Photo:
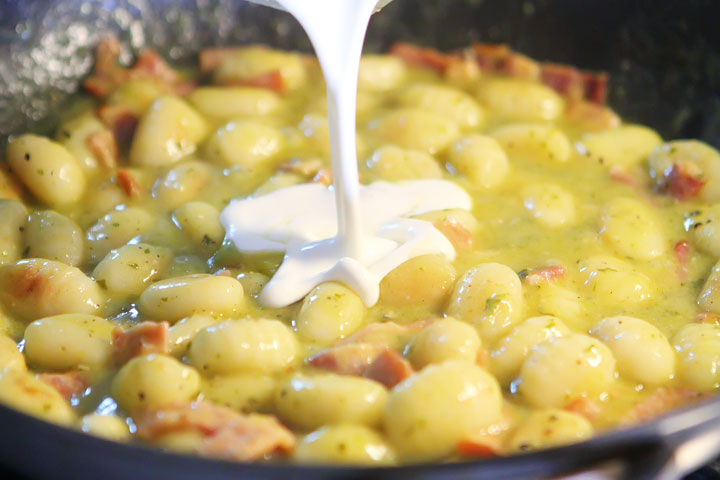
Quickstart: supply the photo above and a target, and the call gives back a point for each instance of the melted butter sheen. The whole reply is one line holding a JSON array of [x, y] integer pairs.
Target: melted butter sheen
[[303, 225]]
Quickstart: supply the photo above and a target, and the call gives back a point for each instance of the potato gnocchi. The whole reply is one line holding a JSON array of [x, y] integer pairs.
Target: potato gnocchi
[[586, 281]]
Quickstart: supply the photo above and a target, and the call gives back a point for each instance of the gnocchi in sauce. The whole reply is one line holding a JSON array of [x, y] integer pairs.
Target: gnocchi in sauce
[[585, 294]]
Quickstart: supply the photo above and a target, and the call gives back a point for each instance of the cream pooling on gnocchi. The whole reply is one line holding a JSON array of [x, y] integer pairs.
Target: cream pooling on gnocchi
[[552, 324], [369, 237]]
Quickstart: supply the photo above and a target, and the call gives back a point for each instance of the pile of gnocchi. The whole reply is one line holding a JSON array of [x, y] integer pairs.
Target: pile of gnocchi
[[585, 295]]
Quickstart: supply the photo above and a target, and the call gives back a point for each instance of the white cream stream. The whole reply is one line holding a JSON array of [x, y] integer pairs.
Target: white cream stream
[[348, 233]]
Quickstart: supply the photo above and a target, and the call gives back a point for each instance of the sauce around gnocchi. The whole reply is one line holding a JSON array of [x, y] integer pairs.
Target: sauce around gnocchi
[[585, 294]]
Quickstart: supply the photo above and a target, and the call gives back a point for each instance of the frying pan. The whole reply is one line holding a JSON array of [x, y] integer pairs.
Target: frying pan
[[664, 61]]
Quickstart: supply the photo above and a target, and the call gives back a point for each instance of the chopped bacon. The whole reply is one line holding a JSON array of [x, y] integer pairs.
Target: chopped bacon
[[212, 58], [500, 59], [388, 368], [120, 120], [150, 65], [129, 184], [661, 401], [683, 256], [102, 144], [591, 115], [69, 384], [271, 80], [709, 318], [226, 434], [565, 80], [142, 339], [684, 184], [108, 74], [481, 358], [536, 276], [459, 236], [584, 407], [595, 86], [477, 449], [422, 57], [348, 359]]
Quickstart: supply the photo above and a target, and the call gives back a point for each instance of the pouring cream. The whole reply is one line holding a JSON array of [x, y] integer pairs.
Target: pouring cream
[[348, 233]]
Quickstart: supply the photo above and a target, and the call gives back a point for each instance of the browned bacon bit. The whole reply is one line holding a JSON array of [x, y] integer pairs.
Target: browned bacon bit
[[683, 256], [212, 58], [68, 384], [348, 359], [120, 120], [477, 449], [591, 116], [500, 59], [619, 174], [421, 57], [306, 168], [481, 358], [389, 368], [128, 183], [709, 318], [584, 407], [536, 276], [226, 434], [459, 236], [108, 74], [595, 86], [661, 401], [142, 339], [248, 438], [567, 81], [684, 184], [271, 80], [102, 144]]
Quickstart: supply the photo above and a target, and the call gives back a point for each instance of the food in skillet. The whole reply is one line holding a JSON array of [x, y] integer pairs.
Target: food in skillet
[[584, 296]]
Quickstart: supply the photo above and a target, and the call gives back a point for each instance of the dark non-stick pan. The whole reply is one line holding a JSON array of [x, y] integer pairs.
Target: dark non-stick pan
[[664, 61]]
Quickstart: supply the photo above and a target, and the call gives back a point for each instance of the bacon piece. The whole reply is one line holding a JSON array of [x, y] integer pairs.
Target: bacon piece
[[388, 368], [129, 184], [477, 449], [684, 184], [591, 116], [683, 256], [150, 65], [709, 318], [120, 120], [108, 74], [226, 433], [595, 86], [102, 144], [422, 57], [69, 384], [536, 276], [212, 58], [585, 407], [661, 401], [272, 80], [348, 359], [142, 339], [567, 81], [248, 438], [459, 236], [500, 59]]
